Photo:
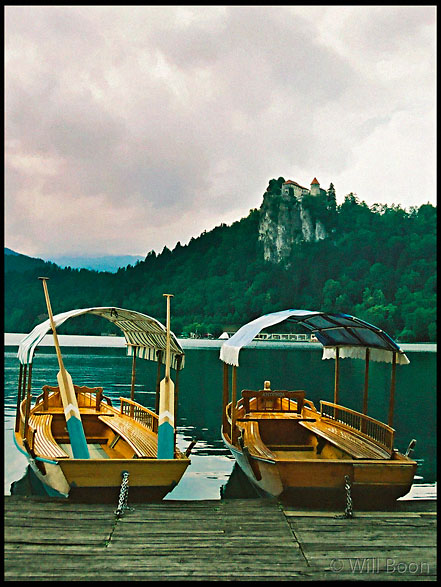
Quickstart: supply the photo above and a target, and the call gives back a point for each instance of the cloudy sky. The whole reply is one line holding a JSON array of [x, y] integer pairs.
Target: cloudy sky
[[131, 128]]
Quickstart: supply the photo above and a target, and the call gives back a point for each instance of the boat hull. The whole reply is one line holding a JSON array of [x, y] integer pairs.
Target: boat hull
[[149, 479], [98, 480], [323, 481]]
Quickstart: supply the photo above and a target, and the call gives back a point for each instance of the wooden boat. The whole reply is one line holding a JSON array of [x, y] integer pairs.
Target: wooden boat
[[78, 444], [286, 446]]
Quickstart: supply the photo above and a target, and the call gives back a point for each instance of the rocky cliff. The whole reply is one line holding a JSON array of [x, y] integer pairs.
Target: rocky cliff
[[285, 221]]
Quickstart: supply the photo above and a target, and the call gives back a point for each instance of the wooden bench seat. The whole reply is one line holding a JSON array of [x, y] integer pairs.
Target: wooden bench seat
[[253, 441], [143, 442], [45, 444], [358, 448]]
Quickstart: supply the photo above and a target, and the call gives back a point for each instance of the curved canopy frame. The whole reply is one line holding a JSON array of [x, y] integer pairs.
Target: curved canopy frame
[[144, 335], [350, 335]]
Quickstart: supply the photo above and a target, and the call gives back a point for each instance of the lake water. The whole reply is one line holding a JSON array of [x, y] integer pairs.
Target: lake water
[[288, 366]]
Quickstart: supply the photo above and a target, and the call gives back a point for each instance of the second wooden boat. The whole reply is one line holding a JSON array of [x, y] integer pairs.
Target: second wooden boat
[[286, 446]]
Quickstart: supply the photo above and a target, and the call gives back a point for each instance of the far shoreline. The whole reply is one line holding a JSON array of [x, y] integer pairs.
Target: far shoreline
[[76, 340]]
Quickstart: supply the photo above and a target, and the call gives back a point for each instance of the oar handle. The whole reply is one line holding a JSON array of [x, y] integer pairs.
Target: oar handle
[[46, 295], [51, 320], [167, 348]]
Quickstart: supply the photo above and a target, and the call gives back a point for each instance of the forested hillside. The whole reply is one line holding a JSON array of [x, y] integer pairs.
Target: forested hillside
[[377, 263]]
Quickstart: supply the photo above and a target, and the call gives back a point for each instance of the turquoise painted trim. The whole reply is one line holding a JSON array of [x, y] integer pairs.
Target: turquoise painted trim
[[77, 438], [46, 461], [26, 454], [166, 441], [53, 492]]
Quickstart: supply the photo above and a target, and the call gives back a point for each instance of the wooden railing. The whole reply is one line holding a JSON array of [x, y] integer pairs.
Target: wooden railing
[[27, 431], [139, 413], [373, 429]]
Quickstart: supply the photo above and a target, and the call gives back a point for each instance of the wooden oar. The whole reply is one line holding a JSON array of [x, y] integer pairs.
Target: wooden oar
[[72, 413], [166, 420]]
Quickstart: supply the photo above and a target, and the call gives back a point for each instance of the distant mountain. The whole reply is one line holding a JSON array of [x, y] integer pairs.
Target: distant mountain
[[17, 262], [105, 263]]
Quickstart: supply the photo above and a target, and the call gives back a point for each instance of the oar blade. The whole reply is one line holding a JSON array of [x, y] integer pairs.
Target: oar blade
[[166, 420], [72, 414]]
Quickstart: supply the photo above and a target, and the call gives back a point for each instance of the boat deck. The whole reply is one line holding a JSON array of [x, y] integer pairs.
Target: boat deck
[[48, 444], [232, 540], [143, 442], [356, 446], [44, 443], [295, 455], [96, 451], [273, 415]]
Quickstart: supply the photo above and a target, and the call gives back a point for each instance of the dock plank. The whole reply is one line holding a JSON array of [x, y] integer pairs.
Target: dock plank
[[230, 540], [385, 545]]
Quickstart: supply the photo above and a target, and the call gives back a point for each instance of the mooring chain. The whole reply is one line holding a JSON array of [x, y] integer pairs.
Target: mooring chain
[[123, 495], [348, 510], [122, 503]]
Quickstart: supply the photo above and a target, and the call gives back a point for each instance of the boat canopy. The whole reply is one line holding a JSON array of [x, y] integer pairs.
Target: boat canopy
[[350, 335], [144, 334]]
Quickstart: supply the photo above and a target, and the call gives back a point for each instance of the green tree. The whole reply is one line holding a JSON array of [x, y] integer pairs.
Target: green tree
[[378, 263]]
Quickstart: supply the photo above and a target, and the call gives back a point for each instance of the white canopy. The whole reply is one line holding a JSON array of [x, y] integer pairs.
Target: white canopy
[[144, 334], [349, 334]]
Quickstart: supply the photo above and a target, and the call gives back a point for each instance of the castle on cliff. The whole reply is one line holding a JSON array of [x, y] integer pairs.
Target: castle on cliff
[[285, 221], [294, 189]]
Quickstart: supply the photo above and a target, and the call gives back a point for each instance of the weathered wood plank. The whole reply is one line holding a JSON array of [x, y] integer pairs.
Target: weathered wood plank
[[228, 540], [233, 575], [357, 515], [372, 545]]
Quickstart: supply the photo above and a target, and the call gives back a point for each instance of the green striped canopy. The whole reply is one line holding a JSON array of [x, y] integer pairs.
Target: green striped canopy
[[144, 335]]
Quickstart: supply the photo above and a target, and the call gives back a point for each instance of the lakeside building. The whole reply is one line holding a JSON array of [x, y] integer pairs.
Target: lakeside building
[[285, 336]]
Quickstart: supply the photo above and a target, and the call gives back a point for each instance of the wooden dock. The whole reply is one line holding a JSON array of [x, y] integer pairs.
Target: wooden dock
[[233, 540]]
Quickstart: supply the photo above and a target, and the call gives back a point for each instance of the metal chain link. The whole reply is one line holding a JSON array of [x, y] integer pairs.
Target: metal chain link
[[348, 510], [122, 503], [123, 495]]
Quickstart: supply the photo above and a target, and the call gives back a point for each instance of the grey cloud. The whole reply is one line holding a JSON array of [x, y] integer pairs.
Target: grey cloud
[[392, 28], [186, 110]]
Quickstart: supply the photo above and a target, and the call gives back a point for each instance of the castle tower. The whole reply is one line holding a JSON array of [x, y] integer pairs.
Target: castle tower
[[315, 187]]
